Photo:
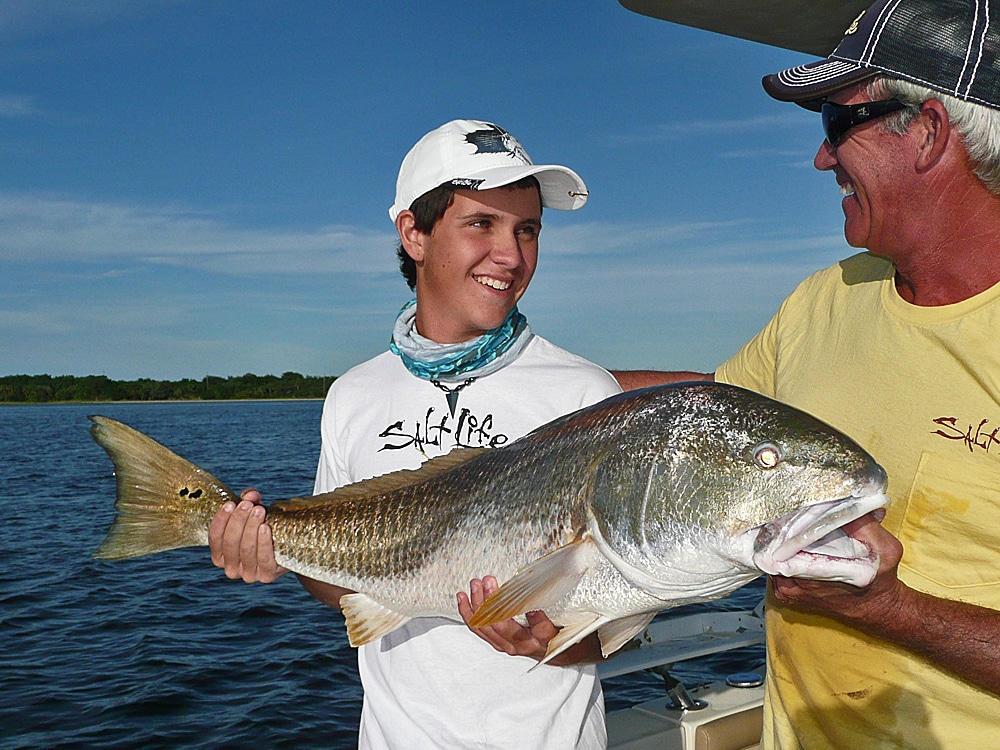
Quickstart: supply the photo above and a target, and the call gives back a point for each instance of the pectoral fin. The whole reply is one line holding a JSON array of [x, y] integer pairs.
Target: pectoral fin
[[572, 633], [617, 633], [613, 633], [539, 585], [367, 619]]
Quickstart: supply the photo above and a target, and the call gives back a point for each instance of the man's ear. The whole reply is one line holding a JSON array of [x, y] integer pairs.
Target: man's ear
[[411, 238], [934, 133]]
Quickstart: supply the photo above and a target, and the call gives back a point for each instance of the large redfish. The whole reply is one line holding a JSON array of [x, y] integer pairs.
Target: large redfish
[[601, 518]]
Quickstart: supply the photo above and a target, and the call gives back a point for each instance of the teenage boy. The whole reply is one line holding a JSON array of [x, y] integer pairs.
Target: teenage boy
[[463, 370]]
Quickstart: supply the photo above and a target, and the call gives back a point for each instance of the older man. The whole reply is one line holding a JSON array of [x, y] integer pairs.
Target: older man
[[899, 347]]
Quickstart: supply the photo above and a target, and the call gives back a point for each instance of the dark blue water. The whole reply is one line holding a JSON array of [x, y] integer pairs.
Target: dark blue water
[[165, 651]]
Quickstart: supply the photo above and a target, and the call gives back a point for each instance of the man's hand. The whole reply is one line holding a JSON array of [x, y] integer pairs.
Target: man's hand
[[508, 636], [962, 638], [864, 608], [241, 542]]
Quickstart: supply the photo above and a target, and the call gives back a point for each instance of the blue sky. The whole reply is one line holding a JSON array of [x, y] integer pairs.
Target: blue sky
[[200, 187]]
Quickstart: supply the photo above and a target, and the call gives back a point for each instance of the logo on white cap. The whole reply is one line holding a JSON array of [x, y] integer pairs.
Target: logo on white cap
[[496, 140]]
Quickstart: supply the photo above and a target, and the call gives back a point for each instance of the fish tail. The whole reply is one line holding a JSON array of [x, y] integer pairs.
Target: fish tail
[[163, 501]]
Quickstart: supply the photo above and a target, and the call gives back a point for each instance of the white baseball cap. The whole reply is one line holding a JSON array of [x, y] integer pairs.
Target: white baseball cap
[[477, 155]]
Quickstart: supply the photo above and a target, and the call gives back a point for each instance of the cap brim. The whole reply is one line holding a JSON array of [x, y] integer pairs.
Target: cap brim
[[808, 84], [561, 187]]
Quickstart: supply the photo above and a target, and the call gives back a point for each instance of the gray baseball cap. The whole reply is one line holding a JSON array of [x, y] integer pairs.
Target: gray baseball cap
[[951, 46]]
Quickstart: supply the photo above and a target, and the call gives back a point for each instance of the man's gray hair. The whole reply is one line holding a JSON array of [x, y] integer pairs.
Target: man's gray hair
[[979, 126]]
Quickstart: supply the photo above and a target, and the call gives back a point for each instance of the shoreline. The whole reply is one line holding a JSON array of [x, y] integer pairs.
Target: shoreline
[[163, 401]]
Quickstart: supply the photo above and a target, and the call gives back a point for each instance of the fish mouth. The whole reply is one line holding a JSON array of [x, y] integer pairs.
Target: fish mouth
[[811, 543]]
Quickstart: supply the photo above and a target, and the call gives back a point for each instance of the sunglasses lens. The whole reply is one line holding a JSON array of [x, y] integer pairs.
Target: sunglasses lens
[[833, 123]]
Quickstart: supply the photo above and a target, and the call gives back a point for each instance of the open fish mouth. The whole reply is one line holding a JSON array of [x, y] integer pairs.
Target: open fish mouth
[[811, 543]]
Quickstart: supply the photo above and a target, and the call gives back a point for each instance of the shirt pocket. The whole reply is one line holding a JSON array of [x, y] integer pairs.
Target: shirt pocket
[[951, 529]]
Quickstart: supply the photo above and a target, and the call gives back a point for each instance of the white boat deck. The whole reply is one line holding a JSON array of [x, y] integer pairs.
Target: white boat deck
[[687, 637], [731, 716]]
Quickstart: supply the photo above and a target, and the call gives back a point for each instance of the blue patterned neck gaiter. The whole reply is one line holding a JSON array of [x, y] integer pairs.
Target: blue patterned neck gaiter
[[479, 357]]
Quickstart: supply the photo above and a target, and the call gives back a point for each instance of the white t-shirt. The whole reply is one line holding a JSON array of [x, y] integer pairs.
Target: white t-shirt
[[433, 683]]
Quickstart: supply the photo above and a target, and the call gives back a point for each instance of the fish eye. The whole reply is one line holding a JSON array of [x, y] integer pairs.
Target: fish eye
[[767, 455]]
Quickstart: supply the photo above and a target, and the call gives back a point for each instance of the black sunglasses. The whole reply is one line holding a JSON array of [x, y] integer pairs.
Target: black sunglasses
[[839, 118]]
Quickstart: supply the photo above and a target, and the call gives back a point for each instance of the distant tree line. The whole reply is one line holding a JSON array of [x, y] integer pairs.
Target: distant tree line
[[47, 388]]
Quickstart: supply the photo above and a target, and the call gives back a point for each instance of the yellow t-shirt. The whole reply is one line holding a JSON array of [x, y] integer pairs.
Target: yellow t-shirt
[[919, 388]]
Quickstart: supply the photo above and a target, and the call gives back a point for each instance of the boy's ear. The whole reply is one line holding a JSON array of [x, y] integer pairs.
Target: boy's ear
[[411, 238]]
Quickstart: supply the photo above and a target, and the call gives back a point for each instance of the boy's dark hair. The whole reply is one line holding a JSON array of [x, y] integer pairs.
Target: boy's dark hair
[[428, 210]]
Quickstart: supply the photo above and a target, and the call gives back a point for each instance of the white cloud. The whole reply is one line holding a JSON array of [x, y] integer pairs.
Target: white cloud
[[593, 238], [683, 244], [21, 19], [59, 315], [684, 128], [12, 105], [666, 294], [758, 153], [684, 295], [34, 229], [118, 238]]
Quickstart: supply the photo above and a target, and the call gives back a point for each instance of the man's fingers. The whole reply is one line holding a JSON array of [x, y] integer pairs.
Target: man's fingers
[[464, 606], [542, 628], [251, 495], [504, 636], [248, 544], [265, 551], [232, 538], [476, 594], [508, 636], [859, 527], [216, 530], [241, 542]]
